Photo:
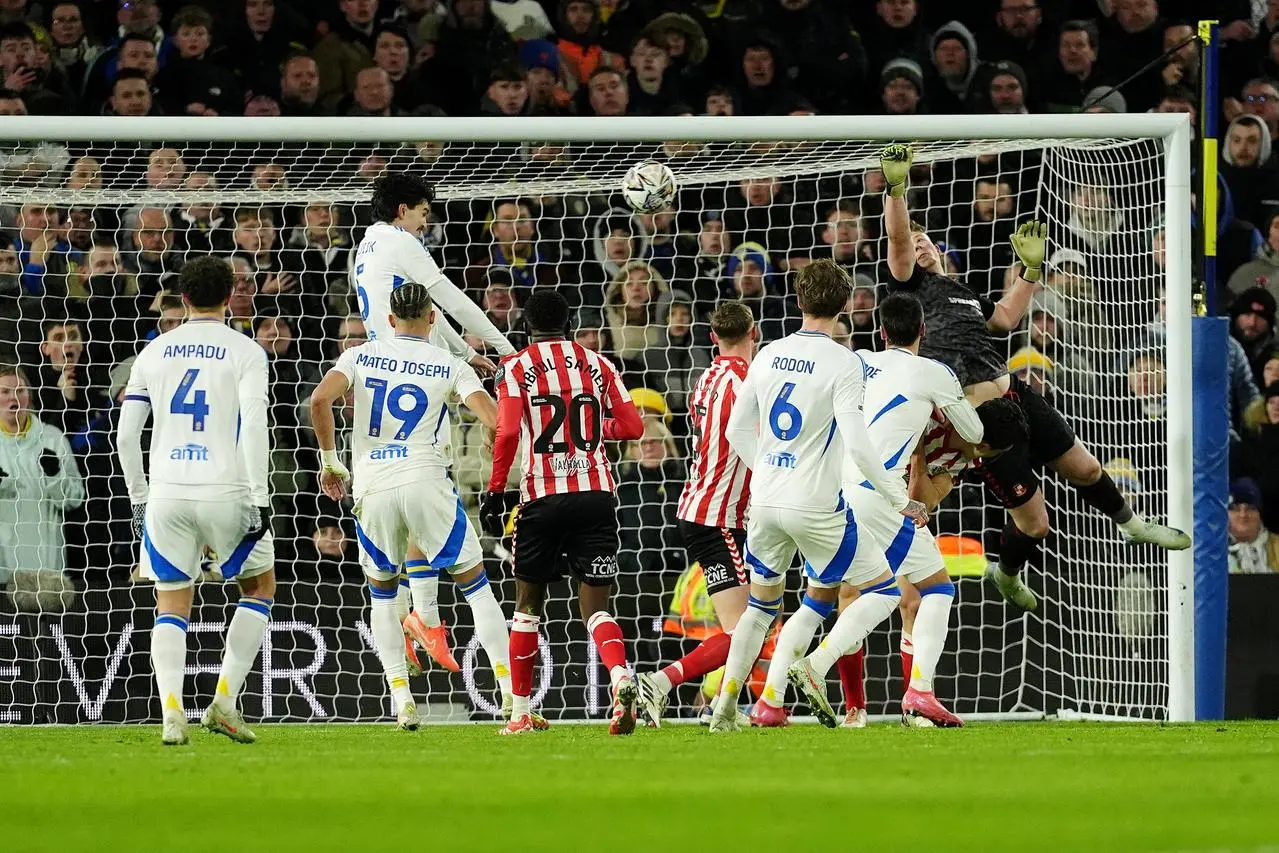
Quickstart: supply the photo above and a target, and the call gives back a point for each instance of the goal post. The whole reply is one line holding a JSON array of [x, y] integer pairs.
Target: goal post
[[1077, 666]]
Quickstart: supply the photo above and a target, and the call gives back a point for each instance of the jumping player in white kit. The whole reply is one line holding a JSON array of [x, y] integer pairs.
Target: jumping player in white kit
[[797, 416], [205, 387], [404, 496], [390, 254]]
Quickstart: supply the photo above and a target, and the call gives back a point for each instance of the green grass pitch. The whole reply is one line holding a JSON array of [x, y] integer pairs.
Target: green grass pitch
[[1018, 787]]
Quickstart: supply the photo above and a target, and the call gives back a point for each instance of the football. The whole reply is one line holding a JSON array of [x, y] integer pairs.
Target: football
[[649, 187]]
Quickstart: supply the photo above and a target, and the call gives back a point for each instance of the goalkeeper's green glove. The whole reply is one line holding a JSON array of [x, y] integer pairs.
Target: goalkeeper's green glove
[[1030, 242], [894, 162]]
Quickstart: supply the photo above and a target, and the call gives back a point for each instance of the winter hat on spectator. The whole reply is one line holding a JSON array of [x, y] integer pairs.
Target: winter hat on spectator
[[1007, 66], [1244, 490], [1255, 300], [1105, 99], [1029, 358], [1125, 475], [695, 44], [954, 255], [753, 252], [861, 280], [540, 53], [1266, 141], [1074, 257], [651, 402], [1272, 390], [903, 68]]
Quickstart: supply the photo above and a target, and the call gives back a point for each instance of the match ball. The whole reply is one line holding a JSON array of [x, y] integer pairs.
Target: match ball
[[649, 187]]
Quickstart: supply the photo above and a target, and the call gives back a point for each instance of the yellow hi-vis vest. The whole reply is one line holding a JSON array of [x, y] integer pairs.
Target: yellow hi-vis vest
[[963, 556], [691, 613]]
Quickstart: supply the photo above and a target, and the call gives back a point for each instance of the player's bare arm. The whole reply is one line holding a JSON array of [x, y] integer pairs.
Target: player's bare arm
[[483, 407], [1030, 243], [928, 489], [895, 162], [334, 476]]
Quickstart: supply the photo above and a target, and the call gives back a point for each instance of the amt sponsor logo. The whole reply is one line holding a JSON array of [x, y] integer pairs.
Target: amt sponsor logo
[[391, 451], [781, 460], [190, 452]]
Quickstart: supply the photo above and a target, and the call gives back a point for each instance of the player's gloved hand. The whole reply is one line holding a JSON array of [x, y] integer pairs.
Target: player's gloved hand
[[139, 518], [257, 521], [1030, 242], [916, 512], [49, 463], [894, 161], [494, 508]]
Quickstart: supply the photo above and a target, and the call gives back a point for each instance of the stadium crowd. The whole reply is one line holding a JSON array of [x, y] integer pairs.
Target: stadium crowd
[[83, 287]]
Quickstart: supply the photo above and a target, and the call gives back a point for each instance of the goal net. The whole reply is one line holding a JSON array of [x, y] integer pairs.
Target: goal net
[[93, 233]]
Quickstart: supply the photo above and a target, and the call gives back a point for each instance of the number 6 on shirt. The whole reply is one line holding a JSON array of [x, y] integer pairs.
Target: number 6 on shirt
[[782, 407]]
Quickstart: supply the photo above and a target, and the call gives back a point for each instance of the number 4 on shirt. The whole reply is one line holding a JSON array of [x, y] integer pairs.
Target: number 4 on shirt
[[196, 406]]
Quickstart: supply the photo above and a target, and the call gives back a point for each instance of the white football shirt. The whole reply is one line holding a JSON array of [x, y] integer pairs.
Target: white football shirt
[[402, 389], [389, 256], [206, 385], [805, 394], [902, 392]]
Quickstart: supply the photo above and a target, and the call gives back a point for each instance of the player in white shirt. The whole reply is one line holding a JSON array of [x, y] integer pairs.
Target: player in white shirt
[[405, 500], [390, 254], [205, 387], [798, 415]]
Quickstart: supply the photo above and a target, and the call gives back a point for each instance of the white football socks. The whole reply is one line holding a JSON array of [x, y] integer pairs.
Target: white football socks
[[792, 644], [388, 637], [243, 641], [490, 627], [424, 584], [859, 619], [168, 661], [932, 622], [748, 639]]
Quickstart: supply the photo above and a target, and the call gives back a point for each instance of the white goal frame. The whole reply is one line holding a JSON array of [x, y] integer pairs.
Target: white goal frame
[[1173, 130]]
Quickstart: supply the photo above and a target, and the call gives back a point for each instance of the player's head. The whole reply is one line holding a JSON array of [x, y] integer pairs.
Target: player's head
[[824, 289], [412, 312], [546, 314], [927, 255], [1003, 427], [403, 200], [732, 325], [901, 320], [206, 283]]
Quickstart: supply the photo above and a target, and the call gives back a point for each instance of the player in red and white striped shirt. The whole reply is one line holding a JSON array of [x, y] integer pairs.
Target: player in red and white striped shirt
[[565, 401], [712, 509]]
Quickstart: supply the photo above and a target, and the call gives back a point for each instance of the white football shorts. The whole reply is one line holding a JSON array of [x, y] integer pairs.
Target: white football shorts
[[176, 532], [834, 549], [428, 513], [911, 551]]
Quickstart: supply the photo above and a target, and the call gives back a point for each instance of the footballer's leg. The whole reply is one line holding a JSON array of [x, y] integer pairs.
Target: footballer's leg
[[792, 643], [718, 552], [171, 547], [530, 596], [1013, 481], [490, 624], [403, 607], [852, 671], [931, 625], [1096, 488], [254, 572], [424, 624], [908, 608]]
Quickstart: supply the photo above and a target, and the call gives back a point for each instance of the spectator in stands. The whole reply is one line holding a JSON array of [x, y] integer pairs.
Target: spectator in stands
[[43, 255], [896, 30], [191, 83], [242, 307], [673, 364], [112, 305], [759, 211], [902, 87], [39, 483], [1075, 73], [720, 101], [633, 305], [750, 277], [165, 169], [543, 78], [152, 259], [1258, 455], [345, 50], [471, 42], [44, 90], [67, 387], [507, 92], [648, 499], [500, 306], [651, 91], [849, 243], [579, 43], [657, 231], [1252, 322], [1261, 99], [827, 61], [954, 62], [200, 225], [393, 53], [73, 50], [688, 48], [41, 163], [255, 236], [606, 94], [513, 248], [300, 87], [131, 95], [1007, 88], [259, 43], [374, 95], [1253, 549], [288, 375], [1182, 67], [763, 89], [1263, 270], [1248, 170], [861, 321], [1130, 40], [135, 52], [1019, 36]]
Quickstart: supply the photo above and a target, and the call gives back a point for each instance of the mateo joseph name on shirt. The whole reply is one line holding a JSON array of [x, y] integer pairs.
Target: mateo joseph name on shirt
[[408, 368]]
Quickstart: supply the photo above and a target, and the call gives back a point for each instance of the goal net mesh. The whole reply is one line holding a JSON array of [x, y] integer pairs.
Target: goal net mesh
[[94, 234]]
